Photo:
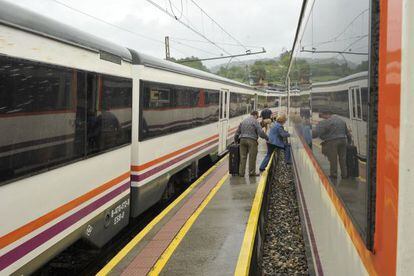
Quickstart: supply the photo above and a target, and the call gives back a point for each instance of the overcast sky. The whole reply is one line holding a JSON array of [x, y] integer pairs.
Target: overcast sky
[[260, 23]]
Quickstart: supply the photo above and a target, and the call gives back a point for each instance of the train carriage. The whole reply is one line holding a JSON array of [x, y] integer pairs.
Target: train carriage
[[183, 115], [65, 116], [94, 133], [354, 59]]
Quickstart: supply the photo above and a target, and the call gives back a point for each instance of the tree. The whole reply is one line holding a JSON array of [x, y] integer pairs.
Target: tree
[[272, 71], [258, 71], [196, 64], [237, 73]]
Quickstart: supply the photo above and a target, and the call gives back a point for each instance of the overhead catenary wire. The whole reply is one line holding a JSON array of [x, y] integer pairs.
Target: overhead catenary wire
[[172, 10], [215, 22], [335, 52], [122, 28], [192, 47], [231, 57], [350, 23], [336, 37], [133, 32], [203, 41], [106, 22], [315, 44], [188, 26]]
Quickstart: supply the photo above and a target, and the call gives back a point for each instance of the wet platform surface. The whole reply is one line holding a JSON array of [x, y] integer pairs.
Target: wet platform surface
[[218, 208], [212, 246]]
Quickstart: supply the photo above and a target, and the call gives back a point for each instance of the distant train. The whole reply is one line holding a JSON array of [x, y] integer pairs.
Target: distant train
[[351, 59], [93, 134]]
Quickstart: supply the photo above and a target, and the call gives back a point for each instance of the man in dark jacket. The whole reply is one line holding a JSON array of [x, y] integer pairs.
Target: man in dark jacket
[[266, 115], [334, 134], [248, 132]]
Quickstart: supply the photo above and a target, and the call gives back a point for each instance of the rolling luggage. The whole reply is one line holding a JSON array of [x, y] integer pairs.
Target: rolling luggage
[[234, 159], [352, 161]]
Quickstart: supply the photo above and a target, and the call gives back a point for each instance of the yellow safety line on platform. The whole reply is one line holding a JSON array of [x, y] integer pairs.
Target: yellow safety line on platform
[[121, 254], [245, 256], [162, 261]]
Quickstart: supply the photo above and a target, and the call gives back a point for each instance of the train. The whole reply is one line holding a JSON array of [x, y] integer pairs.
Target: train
[[93, 134], [351, 61]]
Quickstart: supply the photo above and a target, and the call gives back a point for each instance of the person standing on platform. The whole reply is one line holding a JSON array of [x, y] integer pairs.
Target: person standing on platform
[[277, 137], [248, 132], [266, 115], [334, 134]]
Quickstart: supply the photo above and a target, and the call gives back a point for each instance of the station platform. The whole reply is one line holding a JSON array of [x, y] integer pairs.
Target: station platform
[[200, 233]]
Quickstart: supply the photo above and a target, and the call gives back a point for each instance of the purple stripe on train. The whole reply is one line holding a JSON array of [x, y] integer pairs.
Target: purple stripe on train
[[155, 170], [26, 247]]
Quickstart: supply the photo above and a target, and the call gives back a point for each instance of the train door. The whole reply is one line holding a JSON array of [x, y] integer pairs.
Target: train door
[[223, 120], [357, 125]]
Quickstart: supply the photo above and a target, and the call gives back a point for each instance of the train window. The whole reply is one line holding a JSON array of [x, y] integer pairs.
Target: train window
[[337, 124], [47, 113], [353, 103], [109, 112], [284, 101], [40, 126], [271, 101], [364, 103], [239, 104], [234, 104], [358, 102], [261, 102], [167, 108], [339, 103], [53, 88], [211, 102], [159, 98], [225, 95], [220, 105]]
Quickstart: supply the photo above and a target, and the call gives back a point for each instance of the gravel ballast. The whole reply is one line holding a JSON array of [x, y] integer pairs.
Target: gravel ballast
[[284, 247]]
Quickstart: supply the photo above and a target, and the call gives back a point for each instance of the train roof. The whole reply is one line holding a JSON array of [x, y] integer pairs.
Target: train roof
[[146, 60], [19, 17]]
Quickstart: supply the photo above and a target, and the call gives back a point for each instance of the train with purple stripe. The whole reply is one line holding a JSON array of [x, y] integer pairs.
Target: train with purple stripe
[[93, 134]]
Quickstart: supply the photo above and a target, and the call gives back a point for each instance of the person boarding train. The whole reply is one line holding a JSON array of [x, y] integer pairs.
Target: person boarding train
[[248, 132], [277, 140], [266, 115]]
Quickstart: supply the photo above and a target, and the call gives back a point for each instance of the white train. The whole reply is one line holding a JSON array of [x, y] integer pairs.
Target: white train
[[351, 59], [347, 97], [93, 133]]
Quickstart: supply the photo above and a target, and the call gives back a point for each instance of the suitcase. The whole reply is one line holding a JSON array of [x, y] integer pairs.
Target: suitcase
[[234, 159], [352, 161]]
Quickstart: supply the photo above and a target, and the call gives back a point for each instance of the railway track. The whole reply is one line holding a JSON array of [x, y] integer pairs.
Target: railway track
[[81, 259]]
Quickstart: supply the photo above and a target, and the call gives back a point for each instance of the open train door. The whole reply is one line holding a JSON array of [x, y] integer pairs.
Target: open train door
[[223, 120]]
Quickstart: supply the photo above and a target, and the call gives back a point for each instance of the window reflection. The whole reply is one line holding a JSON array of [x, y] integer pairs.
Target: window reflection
[[329, 97], [261, 103], [240, 104], [52, 115], [167, 108], [109, 112]]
